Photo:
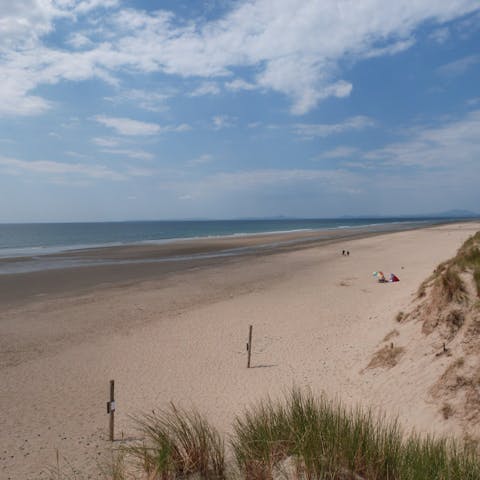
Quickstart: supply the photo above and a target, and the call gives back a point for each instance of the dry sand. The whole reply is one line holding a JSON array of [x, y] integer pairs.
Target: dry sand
[[317, 316]]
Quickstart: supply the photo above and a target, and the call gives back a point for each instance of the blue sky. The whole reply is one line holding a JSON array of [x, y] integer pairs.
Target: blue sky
[[124, 109]]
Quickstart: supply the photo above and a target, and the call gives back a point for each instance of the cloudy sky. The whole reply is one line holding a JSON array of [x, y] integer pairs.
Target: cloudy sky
[[162, 109]]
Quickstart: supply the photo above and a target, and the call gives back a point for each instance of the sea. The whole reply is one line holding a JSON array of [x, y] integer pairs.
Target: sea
[[32, 241]]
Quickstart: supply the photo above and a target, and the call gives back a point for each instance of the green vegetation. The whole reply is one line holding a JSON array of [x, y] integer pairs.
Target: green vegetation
[[178, 444], [446, 277], [300, 438], [451, 285]]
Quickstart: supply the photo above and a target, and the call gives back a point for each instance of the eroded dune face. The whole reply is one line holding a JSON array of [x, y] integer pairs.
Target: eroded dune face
[[446, 318]]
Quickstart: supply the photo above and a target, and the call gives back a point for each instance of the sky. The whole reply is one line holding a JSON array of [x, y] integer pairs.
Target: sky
[[175, 109]]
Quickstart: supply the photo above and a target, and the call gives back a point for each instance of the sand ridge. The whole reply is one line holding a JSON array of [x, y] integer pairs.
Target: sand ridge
[[317, 317]]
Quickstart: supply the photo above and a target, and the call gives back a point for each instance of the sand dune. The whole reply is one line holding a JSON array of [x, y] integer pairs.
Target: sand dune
[[317, 317]]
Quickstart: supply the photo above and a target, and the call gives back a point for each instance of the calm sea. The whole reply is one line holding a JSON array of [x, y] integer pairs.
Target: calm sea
[[18, 240]]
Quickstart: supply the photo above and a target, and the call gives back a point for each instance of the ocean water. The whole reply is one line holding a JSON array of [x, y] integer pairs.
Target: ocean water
[[44, 238], [32, 242]]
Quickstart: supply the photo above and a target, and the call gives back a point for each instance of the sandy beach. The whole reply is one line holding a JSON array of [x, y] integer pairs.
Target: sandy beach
[[177, 333]]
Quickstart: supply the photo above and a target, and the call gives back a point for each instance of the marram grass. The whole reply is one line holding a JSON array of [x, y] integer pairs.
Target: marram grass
[[302, 437]]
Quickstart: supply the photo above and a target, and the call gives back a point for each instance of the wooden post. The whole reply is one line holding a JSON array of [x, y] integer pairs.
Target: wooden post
[[249, 345], [111, 410]]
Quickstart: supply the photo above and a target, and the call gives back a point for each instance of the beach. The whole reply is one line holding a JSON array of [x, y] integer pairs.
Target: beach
[[176, 331]]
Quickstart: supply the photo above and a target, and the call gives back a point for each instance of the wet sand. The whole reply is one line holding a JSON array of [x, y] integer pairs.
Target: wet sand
[[105, 267]]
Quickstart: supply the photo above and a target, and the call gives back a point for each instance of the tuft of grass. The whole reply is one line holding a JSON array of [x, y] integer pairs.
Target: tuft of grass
[[387, 357], [451, 285], [392, 334], [447, 411], [324, 440], [446, 277], [262, 440], [179, 443], [454, 321], [476, 279]]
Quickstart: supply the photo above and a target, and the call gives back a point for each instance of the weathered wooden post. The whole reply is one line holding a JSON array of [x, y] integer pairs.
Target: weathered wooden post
[[111, 410], [249, 345]]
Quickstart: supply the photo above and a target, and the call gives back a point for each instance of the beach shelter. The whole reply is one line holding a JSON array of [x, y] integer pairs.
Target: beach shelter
[[393, 278]]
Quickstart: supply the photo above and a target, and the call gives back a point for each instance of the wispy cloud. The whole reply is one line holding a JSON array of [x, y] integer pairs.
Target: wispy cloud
[[135, 154], [473, 101], [440, 35], [240, 84], [311, 130], [206, 88], [458, 67], [14, 166], [453, 144], [223, 121], [202, 159], [338, 152], [130, 127], [106, 141], [127, 126], [152, 101]]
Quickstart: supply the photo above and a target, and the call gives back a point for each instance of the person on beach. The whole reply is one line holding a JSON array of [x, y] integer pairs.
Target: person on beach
[[348, 253], [343, 252]]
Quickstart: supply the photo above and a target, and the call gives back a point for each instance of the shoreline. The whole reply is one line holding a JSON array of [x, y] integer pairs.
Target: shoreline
[[79, 251], [28, 278]]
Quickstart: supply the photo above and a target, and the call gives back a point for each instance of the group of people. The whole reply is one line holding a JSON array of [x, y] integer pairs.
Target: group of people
[[345, 252]]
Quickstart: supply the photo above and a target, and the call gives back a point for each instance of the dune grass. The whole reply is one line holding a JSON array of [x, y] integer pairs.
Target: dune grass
[[324, 440], [446, 277], [178, 443], [301, 437]]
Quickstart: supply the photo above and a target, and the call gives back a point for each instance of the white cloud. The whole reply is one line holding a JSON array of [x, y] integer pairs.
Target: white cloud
[[310, 130], [392, 49], [338, 152], [130, 127], [106, 142], [79, 40], [14, 166], [440, 35], [296, 49], [206, 88], [183, 127], [454, 145], [458, 67], [223, 121], [152, 101], [85, 6], [127, 126], [240, 84], [136, 154], [202, 159]]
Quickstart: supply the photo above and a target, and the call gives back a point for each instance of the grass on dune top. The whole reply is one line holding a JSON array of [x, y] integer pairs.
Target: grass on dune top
[[446, 278]]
